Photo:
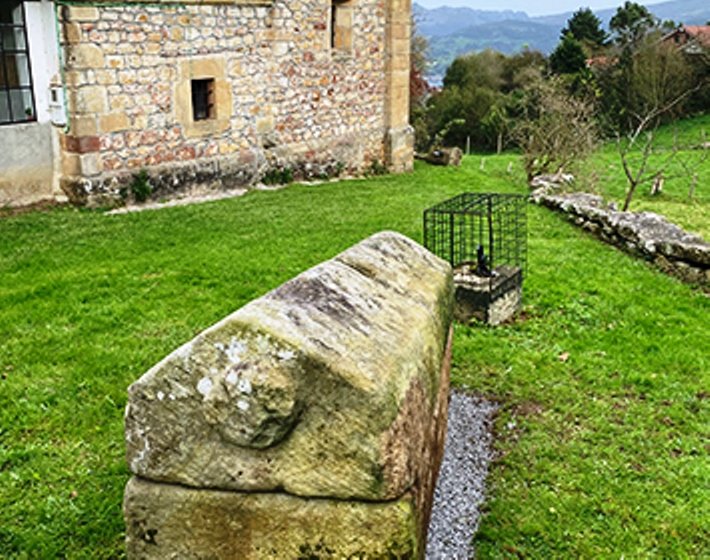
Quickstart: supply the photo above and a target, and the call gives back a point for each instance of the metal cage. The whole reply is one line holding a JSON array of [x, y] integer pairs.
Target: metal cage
[[454, 229], [484, 238]]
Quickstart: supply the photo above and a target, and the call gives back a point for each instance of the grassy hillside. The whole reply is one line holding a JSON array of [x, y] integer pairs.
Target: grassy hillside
[[604, 173], [600, 454]]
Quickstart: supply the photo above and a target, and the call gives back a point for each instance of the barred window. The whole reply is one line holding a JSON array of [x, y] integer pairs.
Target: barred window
[[203, 99], [16, 99]]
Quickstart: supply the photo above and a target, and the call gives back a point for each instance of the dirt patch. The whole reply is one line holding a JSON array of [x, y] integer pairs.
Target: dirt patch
[[41, 206]]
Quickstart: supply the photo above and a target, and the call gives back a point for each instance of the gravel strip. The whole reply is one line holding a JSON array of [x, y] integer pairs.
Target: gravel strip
[[460, 490]]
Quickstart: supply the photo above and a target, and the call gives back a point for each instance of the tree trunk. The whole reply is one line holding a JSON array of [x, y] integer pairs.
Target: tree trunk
[[629, 196]]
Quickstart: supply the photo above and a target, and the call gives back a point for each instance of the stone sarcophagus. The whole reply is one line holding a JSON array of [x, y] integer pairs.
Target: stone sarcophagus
[[309, 423]]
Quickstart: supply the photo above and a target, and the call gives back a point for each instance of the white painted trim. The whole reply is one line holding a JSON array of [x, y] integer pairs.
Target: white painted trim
[[44, 58]]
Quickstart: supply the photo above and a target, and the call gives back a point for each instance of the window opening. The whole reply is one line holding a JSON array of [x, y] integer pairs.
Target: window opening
[[341, 25], [203, 102], [333, 23], [16, 97]]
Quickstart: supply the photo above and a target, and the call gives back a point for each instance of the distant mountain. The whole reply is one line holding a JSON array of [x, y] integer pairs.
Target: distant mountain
[[690, 12], [446, 21], [455, 31], [507, 36]]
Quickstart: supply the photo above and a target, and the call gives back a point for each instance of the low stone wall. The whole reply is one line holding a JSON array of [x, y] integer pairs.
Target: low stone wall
[[309, 423], [645, 234]]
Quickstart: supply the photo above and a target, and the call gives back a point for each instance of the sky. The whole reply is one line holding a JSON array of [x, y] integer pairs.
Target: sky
[[537, 8]]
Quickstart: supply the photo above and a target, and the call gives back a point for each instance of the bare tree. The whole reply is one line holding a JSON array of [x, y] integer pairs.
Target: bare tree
[[690, 165], [555, 129], [636, 147]]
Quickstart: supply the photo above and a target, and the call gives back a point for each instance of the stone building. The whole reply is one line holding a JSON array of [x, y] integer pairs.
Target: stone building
[[199, 93]]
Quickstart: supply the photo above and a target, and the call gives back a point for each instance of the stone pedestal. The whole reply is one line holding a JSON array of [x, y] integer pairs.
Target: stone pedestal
[[491, 300], [309, 423]]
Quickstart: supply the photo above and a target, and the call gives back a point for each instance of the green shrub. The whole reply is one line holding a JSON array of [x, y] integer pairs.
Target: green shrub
[[140, 187], [278, 176], [376, 168]]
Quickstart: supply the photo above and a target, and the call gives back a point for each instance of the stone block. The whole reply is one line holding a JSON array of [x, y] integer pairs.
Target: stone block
[[113, 122], [81, 165], [489, 300], [86, 55], [82, 13], [264, 125], [398, 103], [401, 31], [71, 164], [90, 99], [234, 525], [83, 126], [400, 149], [329, 392], [81, 144], [72, 33], [73, 78], [90, 164]]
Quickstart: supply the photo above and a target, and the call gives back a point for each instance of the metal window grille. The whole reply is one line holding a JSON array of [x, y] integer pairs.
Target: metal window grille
[[203, 99], [16, 97], [456, 228]]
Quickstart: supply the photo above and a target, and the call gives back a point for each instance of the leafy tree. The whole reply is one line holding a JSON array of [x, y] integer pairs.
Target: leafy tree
[[522, 68], [649, 77], [630, 23], [467, 108], [657, 75], [418, 88], [568, 57], [477, 100], [668, 25], [497, 122], [484, 69], [586, 28], [472, 85]]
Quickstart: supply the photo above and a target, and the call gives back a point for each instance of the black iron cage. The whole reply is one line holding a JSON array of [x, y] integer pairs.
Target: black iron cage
[[455, 229]]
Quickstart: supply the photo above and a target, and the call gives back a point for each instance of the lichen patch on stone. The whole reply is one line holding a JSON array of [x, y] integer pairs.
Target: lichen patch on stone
[[204, 386]]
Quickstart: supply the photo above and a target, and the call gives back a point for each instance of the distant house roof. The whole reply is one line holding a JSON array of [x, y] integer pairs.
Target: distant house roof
[[691, 38], [601, 61]]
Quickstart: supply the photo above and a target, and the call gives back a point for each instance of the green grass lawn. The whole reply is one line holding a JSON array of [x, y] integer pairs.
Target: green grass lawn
[[604, 455], [604, 173]]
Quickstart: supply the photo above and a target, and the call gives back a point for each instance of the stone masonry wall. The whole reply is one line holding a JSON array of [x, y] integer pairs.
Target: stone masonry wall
[[284, 98], [645, 234]]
